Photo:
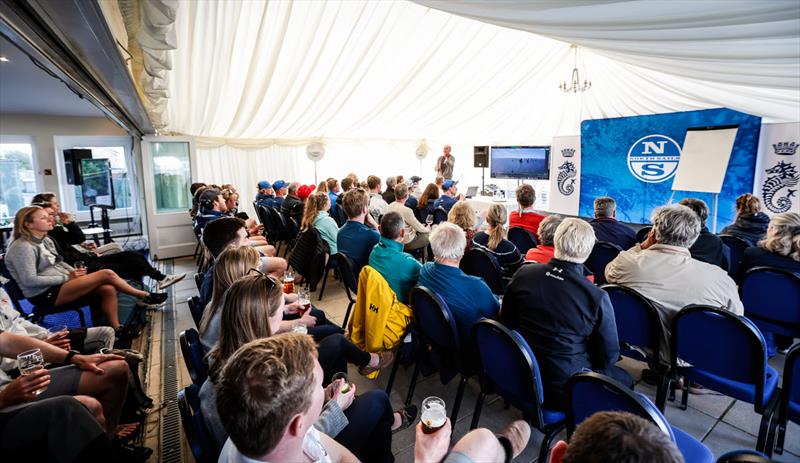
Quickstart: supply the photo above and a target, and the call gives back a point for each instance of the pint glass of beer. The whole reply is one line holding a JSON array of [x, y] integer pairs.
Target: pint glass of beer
[[288, 282], [434, 415]]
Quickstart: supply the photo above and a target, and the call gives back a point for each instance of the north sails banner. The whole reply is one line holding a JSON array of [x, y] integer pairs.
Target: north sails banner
[[565, 174], [777, 176]]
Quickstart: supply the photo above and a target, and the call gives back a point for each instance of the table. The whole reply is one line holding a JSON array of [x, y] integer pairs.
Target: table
[[94, 232]]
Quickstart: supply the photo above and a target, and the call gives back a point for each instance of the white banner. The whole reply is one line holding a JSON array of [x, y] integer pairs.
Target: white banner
[[565, 174], [777, 176]]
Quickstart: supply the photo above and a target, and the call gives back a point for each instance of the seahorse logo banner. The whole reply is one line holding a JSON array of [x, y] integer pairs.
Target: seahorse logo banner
[[565, 174], [778, 168]]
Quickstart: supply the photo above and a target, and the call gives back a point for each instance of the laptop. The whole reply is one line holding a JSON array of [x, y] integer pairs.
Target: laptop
[[471, 191]]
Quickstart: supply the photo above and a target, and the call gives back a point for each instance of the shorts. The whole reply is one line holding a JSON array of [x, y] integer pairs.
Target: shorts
[[63, 381], [47, 298]]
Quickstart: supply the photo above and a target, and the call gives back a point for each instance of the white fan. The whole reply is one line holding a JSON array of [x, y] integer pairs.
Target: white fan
[[422, 151], [315, 152]]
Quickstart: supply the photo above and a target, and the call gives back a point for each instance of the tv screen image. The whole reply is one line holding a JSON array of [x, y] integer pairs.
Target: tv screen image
[[520, 162], [98, 189]]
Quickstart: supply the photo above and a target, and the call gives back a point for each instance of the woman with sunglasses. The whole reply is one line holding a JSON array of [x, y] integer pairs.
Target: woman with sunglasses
[[253, 309]]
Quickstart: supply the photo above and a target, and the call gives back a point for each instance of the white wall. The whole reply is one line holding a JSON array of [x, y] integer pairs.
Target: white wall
[[44, 128]]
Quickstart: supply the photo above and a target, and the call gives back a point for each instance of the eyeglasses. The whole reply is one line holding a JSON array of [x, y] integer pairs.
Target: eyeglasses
[[271, 283]]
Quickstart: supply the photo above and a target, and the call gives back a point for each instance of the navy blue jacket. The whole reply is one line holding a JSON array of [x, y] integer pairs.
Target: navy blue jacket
[[708, 248], [749, 227], [613, 231], [758, 257]]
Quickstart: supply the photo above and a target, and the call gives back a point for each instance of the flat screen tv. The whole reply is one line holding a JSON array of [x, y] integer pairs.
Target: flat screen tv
[[520, 162], [98, 186]]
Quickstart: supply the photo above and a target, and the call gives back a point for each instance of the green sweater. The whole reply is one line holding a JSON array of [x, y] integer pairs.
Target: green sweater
[[328, 229], [399, 269]]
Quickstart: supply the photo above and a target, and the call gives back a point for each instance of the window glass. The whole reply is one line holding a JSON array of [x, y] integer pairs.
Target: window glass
[[172, 175], [119, 175], [17, 178]]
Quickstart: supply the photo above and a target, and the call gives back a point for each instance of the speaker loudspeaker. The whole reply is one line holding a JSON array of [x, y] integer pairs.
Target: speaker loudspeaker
[[481, 156], [72, 162]]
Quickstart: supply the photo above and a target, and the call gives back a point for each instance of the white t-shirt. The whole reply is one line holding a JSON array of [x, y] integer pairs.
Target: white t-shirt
[[312, 448]]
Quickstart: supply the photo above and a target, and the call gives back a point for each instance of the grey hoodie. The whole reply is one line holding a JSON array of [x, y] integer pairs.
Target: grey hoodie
[[35, 265]]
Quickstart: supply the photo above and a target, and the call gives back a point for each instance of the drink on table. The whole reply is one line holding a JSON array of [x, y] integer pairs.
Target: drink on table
[[434, 415], [288, 282], [31, 361]]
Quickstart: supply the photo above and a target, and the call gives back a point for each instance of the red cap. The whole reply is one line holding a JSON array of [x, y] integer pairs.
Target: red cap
[[305, 191]]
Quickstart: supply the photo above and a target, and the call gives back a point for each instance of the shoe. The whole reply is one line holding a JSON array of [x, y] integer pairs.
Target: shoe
[[385, 358], [407, 417], [131, 453], [129, 354], [170, 280], [153, 300], [518, 433]]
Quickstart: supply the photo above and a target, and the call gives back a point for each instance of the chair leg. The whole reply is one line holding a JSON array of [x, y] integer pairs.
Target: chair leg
[[324, 280], [392, 375], [550, 433], [347, 314], [664, 383], [781, 435], [413, 385], [765, 440], [459, 395], [761, 441], [685, 394], [476, 415]]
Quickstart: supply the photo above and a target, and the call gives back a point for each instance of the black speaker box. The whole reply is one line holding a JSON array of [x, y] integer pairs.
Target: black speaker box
[[72, 161], [481, 156]]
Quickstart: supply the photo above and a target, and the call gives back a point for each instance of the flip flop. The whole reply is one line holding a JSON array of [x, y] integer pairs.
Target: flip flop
[[407, 417]]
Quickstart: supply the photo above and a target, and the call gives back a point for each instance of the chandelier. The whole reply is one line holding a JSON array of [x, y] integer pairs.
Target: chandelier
[[575, 85]]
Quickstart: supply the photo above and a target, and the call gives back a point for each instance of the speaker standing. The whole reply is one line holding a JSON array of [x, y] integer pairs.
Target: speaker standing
[[445, 164]]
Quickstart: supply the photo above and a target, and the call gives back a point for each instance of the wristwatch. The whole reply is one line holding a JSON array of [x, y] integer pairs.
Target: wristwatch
[[70, 354]]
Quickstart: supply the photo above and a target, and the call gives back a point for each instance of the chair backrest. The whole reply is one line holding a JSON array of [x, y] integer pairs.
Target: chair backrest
[[603, 252], [509, 368], [641, 235], [347, 268], [638, 322], [791, 380], [439, 215], [737, 247], [262, 213], [697, 332], [481, 264], [192, 352], [744, 456], [194, 425], [592, 392], [198, 280], [522, 239], [434, 320], [195, 310], [758, 283]]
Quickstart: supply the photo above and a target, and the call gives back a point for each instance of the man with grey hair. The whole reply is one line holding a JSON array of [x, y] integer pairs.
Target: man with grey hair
[[662, 269], [568, 322], [607, 227], [467, 296], [292, 205], [399, 269], [388, 194]]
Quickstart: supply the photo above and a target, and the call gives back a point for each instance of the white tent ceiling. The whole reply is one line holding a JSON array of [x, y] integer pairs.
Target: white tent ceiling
[[249, 73]]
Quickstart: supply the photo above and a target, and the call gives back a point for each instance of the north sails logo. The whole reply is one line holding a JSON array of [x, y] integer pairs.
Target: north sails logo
[[654, 158]]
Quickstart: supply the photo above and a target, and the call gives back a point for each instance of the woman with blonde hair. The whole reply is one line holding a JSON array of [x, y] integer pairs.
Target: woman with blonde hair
[[464, 216], [495, 243], [47, 281], [751, 224], [252, 310], [316, 216]]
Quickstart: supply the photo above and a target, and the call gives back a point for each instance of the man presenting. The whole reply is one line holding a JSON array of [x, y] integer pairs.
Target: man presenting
[[445, 164]]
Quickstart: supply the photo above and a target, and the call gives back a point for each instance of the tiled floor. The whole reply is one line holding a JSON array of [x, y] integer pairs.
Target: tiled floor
[[723, 424]]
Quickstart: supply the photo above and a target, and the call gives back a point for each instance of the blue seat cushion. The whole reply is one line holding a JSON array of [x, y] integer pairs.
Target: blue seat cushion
[[732, 388], [552, 416], [692, 449], [794, 412]]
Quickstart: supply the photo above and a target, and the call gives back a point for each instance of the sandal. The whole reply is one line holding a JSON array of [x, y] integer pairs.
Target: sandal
[[407, 417], [125, 433], [384, 359]]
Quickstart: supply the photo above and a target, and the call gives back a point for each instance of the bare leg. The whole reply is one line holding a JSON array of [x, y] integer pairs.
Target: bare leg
[[109, 389], [481, 445], [275, 266], [77, 288], [94, 408], [266, 249], [109, 304]]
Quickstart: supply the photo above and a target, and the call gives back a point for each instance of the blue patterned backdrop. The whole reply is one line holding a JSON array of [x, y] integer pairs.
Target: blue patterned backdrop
[[607, 169]]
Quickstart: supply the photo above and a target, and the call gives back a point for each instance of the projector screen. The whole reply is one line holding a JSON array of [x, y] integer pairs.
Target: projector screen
[[98, 187], [520, 162]]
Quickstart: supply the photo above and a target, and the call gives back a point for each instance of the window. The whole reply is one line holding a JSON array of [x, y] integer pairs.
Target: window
[[119, 175], [17, 176], [172, 175]]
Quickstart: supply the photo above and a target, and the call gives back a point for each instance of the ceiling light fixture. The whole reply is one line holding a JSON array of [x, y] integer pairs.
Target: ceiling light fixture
[[4, 59], [575, 86]]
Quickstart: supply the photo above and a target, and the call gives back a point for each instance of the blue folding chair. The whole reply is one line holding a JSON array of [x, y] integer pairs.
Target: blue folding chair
[[603, 252], [39, 312], [522, 239], [480, 263], [509, 369], [441, 343], [779, 315], [640, 333], [198, 280], [729, 355], [439, 215], [195, 310], [194, 426], [789, 408], [350, 280], [736, 247], [592, 392], [193, 356]]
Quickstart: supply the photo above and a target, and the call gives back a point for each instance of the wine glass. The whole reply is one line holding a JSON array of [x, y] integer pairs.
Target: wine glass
[[31, 361], [429, 219]]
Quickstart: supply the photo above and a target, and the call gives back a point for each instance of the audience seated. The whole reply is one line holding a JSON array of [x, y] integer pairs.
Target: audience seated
[[266, 194], [213, 207], [616, 436], [751, 224], [334, 190], [316, 216], [463, 215], [708, 247], [193, 188], [360, 233], [567, 321], [377, 205], [413, 193], [467, 296], [400, 270], [607, 228], [663, 270], [544, 251], [46, 280], [388, 194], [439, 181], [292, 205], [526, 217], [449, 195], [425, 205], [495, 243], [279, 186], [780, 247], [416, 233], [347, 185]]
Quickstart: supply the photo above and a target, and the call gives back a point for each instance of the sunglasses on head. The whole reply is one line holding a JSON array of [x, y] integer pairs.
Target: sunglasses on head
[[271, 281]]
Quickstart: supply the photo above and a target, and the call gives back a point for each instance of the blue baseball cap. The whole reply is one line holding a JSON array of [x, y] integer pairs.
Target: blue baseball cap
[[448, 184], [264, 184], [278, 184]]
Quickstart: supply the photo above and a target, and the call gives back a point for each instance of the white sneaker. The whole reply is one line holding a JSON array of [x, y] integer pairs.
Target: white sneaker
[[170, 280]]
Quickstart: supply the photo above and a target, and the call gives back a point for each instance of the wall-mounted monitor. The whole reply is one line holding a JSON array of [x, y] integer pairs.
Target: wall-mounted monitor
[[520, 162], [98, 186]]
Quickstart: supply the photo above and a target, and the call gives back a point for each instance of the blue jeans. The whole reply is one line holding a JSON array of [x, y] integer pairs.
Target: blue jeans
[[369, 434]]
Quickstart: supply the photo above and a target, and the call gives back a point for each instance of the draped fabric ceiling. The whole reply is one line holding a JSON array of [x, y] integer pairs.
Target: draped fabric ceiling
[[250, 74]]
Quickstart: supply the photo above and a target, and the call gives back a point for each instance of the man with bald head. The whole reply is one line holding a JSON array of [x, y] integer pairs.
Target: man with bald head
[[445, 164]]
